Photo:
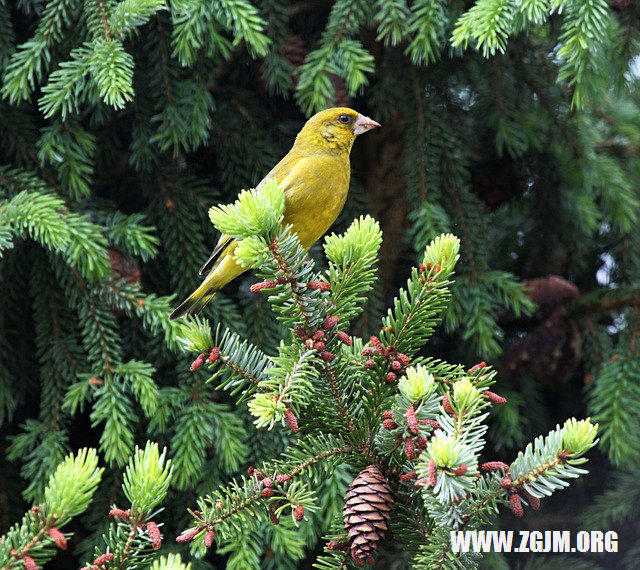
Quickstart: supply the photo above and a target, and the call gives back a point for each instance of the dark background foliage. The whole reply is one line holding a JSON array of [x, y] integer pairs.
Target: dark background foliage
[[529, 155]]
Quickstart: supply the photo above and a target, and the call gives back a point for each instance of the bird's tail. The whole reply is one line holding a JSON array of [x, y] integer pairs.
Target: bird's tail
[[201, 296], [224, 271], [193, 304]]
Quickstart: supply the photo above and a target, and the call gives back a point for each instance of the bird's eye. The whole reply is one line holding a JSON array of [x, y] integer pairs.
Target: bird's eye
[[345, 119]]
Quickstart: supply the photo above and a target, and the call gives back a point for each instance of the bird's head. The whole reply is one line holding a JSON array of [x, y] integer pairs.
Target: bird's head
[[333, 130]]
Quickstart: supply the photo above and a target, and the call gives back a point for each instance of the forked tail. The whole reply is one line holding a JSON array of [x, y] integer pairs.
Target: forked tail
[[193, 304], [223, 271]]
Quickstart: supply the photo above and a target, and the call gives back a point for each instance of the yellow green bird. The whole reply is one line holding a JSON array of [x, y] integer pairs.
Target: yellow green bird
[[315, 177]]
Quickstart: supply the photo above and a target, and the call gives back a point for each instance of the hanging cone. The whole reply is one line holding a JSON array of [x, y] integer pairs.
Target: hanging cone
[[124, 268], [295, 50], [366, 512]]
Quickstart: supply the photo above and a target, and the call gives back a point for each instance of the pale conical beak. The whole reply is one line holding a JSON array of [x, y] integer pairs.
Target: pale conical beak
[[364, 124]]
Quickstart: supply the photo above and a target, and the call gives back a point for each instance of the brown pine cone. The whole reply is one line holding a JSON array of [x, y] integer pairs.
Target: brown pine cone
[[295, 50], [123, 267], [366, 512]]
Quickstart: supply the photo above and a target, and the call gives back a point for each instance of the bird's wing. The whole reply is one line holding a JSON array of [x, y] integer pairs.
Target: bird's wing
[[223, 242], [281, 172], [290, 172]]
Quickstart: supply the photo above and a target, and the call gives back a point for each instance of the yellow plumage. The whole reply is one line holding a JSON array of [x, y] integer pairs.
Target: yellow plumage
[[315, 178]]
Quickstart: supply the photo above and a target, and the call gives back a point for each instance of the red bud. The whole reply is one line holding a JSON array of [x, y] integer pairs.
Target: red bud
[[494, 466], [412, 421], [120, 514], [298, 513], [330, 322], [300, 331], [516, 505], [389, 424], [29, 563], [154, 534], [534, 502], [318, 286], [344, 338], [256, 287], [460, 471], [104, 559], [189, 534], [432, 471], [214, 354], [410, 449], [492, 397], [477, 367], [291, 420], [208, 538], [403, 358], [59, 538], [198, 362], [433, 423], [377, 345], [506, 483], [408, 476]]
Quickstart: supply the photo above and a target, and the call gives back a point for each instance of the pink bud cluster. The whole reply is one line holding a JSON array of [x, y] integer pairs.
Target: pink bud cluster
[[397, 361]]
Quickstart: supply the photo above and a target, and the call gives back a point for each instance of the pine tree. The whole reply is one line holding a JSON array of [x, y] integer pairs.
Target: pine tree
[[511, 124], [418, 423]]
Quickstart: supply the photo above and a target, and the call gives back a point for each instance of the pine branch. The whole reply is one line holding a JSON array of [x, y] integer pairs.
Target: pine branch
[[412, 320], [243, 503], [588, 305], [613, 394], [330, 376], [68, 493], [338, 54], [133, 536], [245, 362], [31, 61]]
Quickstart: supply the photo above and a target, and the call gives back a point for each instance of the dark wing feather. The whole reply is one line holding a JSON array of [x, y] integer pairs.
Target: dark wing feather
[[223, 242], [279, 172]]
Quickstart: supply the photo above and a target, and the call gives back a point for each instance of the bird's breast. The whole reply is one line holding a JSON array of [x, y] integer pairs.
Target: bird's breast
[[317, 198]]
